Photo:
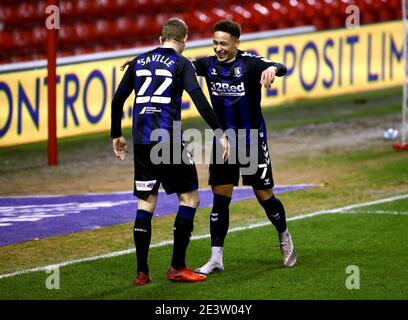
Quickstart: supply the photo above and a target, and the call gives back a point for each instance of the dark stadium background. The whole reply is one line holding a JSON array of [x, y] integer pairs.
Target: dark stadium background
[[104, 25]]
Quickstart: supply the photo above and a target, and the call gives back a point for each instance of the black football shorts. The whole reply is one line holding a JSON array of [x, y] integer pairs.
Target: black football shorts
[[229, 173], [176, 175]]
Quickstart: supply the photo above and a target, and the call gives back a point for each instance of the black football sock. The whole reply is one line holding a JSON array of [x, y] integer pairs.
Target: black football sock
[[219, 220], [183, 227], [276, 213], [142, 233]]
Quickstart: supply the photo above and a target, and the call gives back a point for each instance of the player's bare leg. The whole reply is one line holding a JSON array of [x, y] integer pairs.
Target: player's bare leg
[[275, 211], [219, 223]]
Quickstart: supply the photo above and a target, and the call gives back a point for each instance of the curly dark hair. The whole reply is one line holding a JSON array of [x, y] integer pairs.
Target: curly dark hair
[[228, 26]]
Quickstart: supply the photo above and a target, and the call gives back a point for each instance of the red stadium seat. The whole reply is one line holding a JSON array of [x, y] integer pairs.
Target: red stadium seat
[[105, 30], [37, 56], [343, 4], [368, 16], [67, 35], [109, 24], [29, 12], [259, 11], [367, 11], [6, 41], [398, 14], [243, 17], [333, 12], [26, 13], [219, 14], [40, 11], [260, 16], [296, 13], [68, 10], [385, 15], [160, 19], [395, 4], [188, 6], [22, 40], [336, 22], [320, 23], [105, 7], [329, 8], [140, 6], [39, 37], [9, 16], [6, 14], [199, 22], [83, 50], [18, 58], [147, 26], [313, 9], [86, 8], [158, 5], [279, 14], [108, 46], [85, 32], [381, 5], [365, 5], [98, 47], [123, 26], [120, 6], [4, 60], [65, 53], [276, 9], [101, 8]]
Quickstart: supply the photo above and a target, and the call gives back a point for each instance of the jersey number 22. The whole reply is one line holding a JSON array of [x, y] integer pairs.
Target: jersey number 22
[[157, 95]]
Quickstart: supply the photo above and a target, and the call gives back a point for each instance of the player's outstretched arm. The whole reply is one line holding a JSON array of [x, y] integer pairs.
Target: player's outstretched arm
[[268, 76]]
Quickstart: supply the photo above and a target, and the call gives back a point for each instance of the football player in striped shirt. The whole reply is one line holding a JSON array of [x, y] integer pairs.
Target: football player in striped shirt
[[234, 79], [158, 78]]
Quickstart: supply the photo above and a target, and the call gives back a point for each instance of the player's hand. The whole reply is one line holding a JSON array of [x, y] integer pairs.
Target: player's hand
[[225, 144], [268, 77], [120, 147], [123, 66]]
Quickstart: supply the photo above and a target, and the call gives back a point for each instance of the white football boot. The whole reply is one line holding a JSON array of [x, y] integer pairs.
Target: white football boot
[[288, 251], [211, 266]]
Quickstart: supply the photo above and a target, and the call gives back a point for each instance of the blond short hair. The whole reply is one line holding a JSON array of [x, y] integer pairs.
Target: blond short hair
[[174, 29]]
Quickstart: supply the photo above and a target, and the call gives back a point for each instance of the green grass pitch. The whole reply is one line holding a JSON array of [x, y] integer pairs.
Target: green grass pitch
[[373, 238]]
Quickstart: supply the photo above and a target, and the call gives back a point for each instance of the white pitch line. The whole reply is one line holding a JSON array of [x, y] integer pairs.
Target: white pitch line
[[35, 196], [237, 229], [392, 213]]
